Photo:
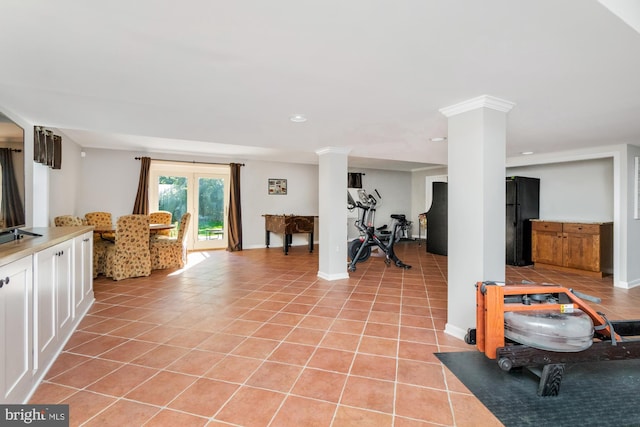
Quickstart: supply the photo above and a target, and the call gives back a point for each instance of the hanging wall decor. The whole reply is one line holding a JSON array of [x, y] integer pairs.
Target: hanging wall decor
[[354, 179], [47, 147], [277, 186]]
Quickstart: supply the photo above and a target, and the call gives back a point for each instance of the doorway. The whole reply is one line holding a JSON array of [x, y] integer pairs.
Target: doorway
[[202, 190]]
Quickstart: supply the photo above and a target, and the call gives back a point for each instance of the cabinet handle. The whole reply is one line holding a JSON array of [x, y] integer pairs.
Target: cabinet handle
[[4, 281], [85, 240]]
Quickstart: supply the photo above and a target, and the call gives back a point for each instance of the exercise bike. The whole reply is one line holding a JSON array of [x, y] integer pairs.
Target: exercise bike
[[360, 248]]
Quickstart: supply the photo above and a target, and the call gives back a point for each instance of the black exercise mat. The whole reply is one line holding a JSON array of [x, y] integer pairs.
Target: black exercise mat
[[591, 394]]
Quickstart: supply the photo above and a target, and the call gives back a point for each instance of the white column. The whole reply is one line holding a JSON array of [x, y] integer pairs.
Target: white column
[[332, 213], [476, 193]]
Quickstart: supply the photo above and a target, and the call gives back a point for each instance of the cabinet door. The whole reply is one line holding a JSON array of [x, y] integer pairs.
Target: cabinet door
[[53, 297], [15, 330], [64, 288], [546, 247], [45, 305], [582, 250], [83, 265]]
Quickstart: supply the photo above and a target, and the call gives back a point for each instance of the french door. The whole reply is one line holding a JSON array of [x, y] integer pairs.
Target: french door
[[202, 190]]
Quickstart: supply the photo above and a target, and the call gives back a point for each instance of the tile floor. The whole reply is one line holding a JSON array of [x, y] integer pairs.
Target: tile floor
[[254, 338]]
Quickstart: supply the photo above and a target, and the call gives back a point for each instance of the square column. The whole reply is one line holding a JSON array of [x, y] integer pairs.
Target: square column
[[332, 206], [476, 232]]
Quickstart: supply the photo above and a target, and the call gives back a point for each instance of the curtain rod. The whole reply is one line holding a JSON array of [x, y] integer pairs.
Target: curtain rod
[[187, 161]]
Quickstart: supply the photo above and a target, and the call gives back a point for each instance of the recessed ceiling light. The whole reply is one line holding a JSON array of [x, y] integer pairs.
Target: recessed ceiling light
[[298, 118], [438, 139], [526, 153]]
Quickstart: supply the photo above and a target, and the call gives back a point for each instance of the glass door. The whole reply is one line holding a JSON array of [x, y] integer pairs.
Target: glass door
[[212, 211], [199, 189]]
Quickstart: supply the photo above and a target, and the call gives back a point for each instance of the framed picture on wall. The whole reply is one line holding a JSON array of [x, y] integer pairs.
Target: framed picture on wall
[[277, 186]]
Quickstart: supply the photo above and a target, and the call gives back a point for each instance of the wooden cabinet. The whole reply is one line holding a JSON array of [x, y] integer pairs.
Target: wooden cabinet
[[546, 242], [16, 312], [572, 246]]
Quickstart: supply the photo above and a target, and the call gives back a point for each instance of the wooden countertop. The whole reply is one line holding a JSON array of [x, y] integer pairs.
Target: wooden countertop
[[28, 245], [571, 221]]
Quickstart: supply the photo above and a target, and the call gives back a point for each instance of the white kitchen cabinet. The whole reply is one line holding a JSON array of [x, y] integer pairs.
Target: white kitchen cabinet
[[48, 292], [83, 279], [53, 299], [16, 314]]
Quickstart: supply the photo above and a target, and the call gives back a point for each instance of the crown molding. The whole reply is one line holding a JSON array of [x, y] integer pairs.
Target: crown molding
[[484, 101], [333, 150]]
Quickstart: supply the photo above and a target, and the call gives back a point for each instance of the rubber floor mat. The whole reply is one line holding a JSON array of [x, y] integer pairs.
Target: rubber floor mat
[[591, 394]]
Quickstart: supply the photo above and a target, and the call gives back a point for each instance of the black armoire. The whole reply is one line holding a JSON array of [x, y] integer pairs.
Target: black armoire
[[523, 204], [438, 220]]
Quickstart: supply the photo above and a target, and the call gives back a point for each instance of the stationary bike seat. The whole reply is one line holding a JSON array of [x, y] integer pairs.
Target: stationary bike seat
[[400, 217]]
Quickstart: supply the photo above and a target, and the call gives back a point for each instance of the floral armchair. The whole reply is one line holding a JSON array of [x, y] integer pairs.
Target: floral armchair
[[129, 255], [99, 246], [161, 217], [68, 221], [100, 219], [171, 253]]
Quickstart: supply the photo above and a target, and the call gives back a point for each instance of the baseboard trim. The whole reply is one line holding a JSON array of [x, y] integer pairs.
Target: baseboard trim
[[335, 276]]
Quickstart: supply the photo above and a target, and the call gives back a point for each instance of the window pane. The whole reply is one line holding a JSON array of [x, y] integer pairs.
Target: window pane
[[172, 196], [211, 208]]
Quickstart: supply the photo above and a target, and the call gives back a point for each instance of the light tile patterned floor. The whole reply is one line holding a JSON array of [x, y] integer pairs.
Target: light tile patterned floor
[[254, 338]]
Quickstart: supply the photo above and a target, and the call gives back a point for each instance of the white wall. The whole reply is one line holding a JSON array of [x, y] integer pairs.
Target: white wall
[[576, 191], [418, 193], [301, 199], [109, 181], [63, 182], [629, 227], [395, 189]]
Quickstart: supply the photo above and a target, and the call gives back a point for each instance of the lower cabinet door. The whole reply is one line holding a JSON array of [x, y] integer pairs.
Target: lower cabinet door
[[45, 306], [16, 311], [83, 286], [53, 299]]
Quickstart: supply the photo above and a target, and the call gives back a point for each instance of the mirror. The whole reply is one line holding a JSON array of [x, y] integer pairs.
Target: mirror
[[11, 175]]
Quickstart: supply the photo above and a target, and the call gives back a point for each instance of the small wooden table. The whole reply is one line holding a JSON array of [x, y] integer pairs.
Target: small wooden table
[[287, 225]]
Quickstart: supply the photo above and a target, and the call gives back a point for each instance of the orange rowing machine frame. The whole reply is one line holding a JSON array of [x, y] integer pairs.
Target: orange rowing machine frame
[[488, 336]]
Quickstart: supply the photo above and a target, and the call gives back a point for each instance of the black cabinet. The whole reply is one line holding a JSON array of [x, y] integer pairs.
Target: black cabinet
[[523, 204], [437, 220]]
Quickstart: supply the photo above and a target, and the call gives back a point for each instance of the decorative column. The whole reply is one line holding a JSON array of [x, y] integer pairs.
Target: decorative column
[[332, 227], [476, 232]]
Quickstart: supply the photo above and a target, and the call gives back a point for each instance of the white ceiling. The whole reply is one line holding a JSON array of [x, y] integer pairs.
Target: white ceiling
[[221, 78]]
